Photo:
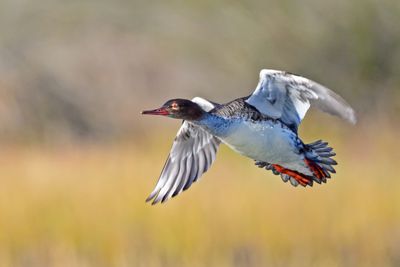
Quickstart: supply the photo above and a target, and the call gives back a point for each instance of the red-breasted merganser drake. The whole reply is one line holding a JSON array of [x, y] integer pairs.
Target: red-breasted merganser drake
[[262, 126]]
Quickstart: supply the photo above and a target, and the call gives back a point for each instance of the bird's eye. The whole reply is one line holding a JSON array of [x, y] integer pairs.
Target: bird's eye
[[174, 106]]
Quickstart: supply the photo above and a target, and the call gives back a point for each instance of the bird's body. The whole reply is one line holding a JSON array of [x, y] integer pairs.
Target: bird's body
[[251, 134], [262, 126]]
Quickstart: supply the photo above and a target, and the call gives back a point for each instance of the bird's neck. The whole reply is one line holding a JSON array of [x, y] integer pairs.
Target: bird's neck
[[212, 123]]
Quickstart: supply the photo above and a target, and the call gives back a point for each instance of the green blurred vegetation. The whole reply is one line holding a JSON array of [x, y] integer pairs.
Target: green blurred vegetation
[[73, 70], [77, 160]]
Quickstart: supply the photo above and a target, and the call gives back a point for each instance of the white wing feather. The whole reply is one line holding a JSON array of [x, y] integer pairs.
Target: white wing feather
[[191, 155], [285, 96]]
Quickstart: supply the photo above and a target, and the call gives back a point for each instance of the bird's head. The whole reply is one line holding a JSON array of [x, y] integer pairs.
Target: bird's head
[[178, 109]]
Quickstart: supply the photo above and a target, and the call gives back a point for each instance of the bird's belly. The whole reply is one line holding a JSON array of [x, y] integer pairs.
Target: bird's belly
[[266, 141]]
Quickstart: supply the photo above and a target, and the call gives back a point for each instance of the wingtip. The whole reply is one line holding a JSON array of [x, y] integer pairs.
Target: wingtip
[[148, 199], [151, 196], [352, 118], [155, 201]]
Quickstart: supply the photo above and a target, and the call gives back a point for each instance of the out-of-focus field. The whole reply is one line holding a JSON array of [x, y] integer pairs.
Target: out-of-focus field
[[77, 159], [84, 206]]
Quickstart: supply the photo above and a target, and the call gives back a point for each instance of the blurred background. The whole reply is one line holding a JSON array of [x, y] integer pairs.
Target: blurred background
[[77, 159]]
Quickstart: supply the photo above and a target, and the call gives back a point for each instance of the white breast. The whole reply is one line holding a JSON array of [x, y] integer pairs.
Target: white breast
[[266, 141]]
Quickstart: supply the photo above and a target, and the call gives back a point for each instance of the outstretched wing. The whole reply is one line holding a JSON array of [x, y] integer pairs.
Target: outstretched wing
[[285, 96], [192, 154]]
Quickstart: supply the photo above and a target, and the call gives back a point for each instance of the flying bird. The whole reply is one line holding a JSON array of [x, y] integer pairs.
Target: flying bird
[[262, 126]]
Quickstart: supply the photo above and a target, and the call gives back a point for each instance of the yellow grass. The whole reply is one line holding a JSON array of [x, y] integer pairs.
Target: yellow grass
[[84, 206]]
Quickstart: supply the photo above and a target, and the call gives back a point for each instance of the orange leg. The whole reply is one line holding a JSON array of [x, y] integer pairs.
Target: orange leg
[[301, 178]]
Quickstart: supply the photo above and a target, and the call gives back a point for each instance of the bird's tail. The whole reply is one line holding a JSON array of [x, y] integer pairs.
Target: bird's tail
[[318, 158]]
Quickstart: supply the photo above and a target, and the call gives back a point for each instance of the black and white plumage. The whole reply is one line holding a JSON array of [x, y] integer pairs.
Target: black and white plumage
[[262, 126], [192, 153]]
